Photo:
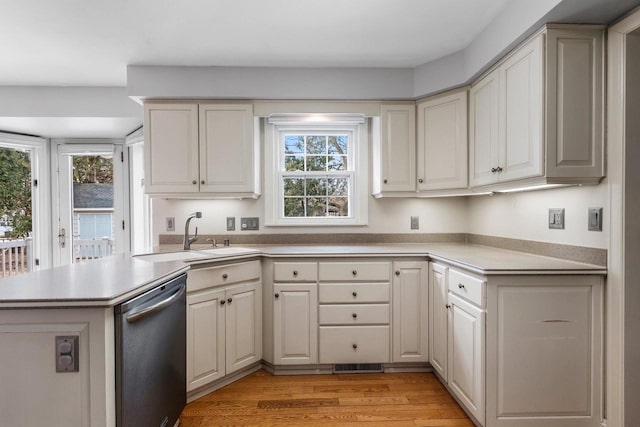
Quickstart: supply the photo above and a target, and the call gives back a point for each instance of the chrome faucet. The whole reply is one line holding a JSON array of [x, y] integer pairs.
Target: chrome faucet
[[189, 240]]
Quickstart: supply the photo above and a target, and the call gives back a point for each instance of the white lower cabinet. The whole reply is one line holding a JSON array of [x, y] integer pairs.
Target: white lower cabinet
[[438, 319], [224, 323], [544, 351], [295, 323], [466, 355], [410, 312]]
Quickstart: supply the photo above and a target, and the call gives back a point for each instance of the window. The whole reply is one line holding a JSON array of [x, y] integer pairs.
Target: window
[[319, 174]]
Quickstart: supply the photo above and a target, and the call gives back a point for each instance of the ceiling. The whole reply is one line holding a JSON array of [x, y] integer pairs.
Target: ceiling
[[90, 43]]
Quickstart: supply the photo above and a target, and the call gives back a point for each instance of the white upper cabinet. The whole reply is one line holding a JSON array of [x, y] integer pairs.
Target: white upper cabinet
[[201, 150], [227, 157], [442, 142], [171, 148], [396, 163], [537, 117]]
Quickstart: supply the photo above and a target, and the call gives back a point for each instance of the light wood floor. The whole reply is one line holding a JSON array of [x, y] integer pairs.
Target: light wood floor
[[345, 400]]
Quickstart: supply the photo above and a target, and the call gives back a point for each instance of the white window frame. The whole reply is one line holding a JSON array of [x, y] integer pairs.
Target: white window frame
[[358, 155]]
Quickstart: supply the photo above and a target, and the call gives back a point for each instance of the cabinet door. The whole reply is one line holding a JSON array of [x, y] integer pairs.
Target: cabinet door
[[398, 147], [522, 149], [227, 149], [484, 126], [466, 355], [171, 148], [410, 316], [438, 319], [244, 326], [295, 324], [205, 338], [442, 142]]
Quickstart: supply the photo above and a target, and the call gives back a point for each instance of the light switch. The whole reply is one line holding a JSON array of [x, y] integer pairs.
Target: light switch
[[595, 219], [231, 223], [556, 218]]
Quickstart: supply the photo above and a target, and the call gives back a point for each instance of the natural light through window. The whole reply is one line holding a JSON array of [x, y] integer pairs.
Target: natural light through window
[[319, 173]]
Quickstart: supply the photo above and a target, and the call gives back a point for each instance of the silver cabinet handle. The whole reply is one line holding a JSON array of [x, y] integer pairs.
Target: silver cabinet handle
[[139, 315]]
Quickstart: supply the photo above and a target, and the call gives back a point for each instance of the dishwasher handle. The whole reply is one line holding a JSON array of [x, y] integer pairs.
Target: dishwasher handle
[[148, 311]]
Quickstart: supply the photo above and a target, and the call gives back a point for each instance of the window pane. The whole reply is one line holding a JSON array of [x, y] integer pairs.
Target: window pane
[[316, 186], [294, 163], [294, 186], [294, 144], [337, 163], [294, 207], [338, 187], [316, 206], [338, 206], [338, 144], [316, 144], [316, 163]]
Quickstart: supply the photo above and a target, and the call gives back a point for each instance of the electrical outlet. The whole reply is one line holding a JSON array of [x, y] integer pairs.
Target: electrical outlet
[[170, 223], [595, 219], [415, 222], [231, 223], [556, 218], [249, 223], [67, 353]]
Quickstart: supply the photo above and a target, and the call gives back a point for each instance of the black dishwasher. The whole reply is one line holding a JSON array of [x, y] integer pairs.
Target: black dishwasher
[[150, 346]]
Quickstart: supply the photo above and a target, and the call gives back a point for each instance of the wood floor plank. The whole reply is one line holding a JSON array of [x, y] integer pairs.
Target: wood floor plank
[[344, 400]]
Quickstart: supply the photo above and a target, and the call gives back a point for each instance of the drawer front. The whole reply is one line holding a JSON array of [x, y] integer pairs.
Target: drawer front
[[354, 344], [353, 292], [223, 275], [467, 287], [354, 314], [295, 271], [354, 271]]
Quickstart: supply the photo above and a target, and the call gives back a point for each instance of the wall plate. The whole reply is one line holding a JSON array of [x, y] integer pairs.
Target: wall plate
[[556, 218], [170, 222], [415, 222], [67, 353], [231, 223], [595, 219]]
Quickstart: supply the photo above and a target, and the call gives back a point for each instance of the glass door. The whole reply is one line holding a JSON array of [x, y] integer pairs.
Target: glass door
[[90, 203]]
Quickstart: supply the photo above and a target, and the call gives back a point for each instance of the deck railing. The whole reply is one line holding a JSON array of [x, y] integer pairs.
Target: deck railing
[[15, 256], [84, 250]]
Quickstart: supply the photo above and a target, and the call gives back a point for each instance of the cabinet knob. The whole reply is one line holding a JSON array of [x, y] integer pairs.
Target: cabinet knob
[[354, 293], [354, 315], [225, 276], [229, 300], [194, 182], [295, 272], [222, 302], [354, 272], [397, 272], [355, 346], [448, 306], [421, 180], [385, 181], [277, 295], [202, 182], [498, 169], [460, 286]]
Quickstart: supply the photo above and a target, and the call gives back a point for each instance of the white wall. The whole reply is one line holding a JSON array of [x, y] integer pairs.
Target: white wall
[[524, 215], [442, 215]]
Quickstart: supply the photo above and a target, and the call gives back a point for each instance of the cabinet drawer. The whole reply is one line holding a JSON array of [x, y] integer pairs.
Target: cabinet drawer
[[354, 271], [353, 292], [354, 344], [467, 287], [354, 314], [222, 275], [295, 271]]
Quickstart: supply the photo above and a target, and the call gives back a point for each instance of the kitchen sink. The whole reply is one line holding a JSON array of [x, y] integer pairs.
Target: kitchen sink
[[226, 250], [172, 256]]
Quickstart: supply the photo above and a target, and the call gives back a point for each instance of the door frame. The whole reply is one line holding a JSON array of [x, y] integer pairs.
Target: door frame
[[40, 195], [120, 187]]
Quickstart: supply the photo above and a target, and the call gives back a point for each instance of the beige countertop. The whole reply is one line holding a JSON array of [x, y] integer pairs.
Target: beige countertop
[[100, 283], [112, 280]]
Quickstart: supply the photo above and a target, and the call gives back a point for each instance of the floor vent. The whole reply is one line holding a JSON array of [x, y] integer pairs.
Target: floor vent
[[357, 368]]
